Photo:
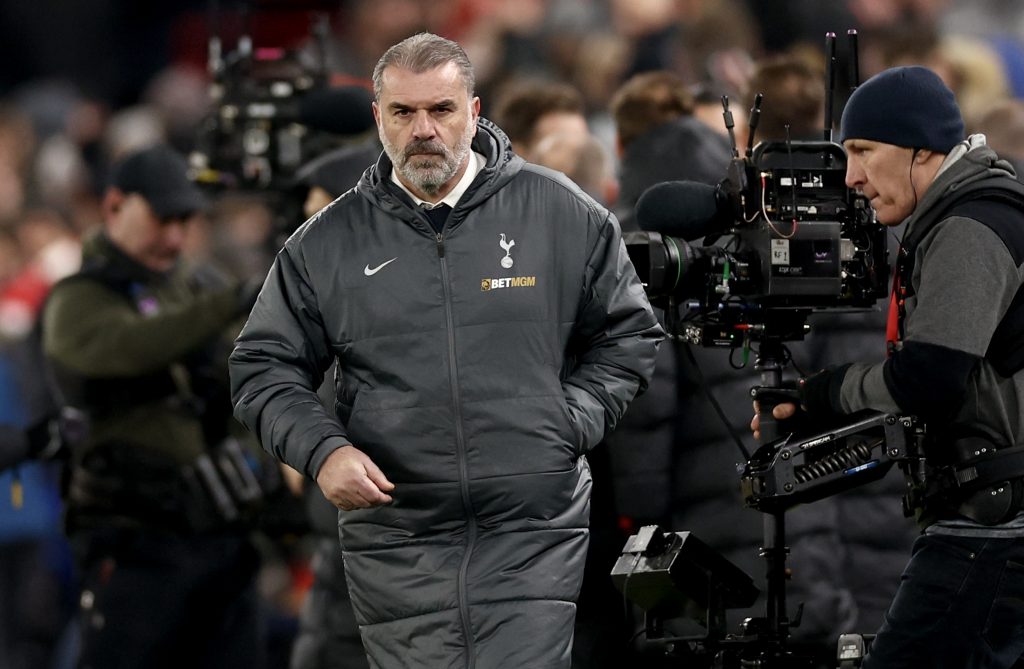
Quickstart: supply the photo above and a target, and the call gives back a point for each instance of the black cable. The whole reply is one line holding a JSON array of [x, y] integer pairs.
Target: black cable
[[913, 188], [714, 403]]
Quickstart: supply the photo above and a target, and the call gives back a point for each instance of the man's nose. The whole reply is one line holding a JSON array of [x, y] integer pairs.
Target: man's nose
[[175, 232], [423, 125], [854, 174]]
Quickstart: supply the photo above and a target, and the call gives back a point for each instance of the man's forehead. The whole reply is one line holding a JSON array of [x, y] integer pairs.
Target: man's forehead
[[444, 81], [856, 143]]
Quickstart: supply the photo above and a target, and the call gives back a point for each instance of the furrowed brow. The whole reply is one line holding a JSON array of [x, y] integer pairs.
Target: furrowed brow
[[443, 104]]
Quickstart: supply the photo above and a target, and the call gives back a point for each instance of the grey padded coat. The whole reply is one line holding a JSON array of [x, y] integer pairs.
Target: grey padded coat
[[476, 367]]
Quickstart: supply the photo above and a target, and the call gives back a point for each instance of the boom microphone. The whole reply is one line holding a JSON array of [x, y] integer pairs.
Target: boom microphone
[[686, 209], [341, 110]]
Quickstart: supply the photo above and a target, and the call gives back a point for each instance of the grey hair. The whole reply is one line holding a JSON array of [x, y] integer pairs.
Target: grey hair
[[423, 52]]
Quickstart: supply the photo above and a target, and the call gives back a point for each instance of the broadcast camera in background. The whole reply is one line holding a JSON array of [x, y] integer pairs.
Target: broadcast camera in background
[[273, 111], [786, 238], [791, 239]]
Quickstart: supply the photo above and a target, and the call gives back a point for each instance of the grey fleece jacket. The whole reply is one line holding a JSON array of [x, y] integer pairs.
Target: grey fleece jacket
[[964, 279], [965, 276]]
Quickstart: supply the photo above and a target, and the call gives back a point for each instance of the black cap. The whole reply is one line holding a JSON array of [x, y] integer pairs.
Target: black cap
[[160, 175], [340, 169]]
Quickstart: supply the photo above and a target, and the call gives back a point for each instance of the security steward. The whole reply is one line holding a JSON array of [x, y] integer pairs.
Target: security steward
[[157, 489]]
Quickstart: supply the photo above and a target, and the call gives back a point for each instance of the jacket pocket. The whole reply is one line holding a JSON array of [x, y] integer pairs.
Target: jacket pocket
[[573, 433]]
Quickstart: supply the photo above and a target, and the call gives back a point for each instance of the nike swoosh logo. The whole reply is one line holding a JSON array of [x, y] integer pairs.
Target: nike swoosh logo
[[370, 272]]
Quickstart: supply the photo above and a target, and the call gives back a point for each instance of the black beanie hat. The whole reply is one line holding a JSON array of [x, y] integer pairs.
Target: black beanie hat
[[904, 106]]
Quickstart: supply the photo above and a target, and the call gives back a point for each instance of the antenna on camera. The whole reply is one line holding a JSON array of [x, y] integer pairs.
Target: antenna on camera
[[729, 125], [853, 67], [830, 81], [755, 117]]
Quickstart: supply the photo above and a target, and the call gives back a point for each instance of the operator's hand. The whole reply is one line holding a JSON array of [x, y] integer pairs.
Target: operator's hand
[[350, 480], [780, 412]]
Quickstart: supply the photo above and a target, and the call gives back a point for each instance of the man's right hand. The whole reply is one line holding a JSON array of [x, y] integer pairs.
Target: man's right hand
[[779, 412], [349, 480]]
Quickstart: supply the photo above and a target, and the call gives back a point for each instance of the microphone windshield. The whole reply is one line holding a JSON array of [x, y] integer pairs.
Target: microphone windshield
[[686, 209], [342, 110]]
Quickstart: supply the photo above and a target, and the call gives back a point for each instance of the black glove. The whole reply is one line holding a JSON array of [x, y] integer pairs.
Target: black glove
[[820, 393]]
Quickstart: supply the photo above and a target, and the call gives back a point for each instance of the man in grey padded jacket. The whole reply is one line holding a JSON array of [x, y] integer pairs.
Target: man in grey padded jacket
[[956, 331], [489, 329]]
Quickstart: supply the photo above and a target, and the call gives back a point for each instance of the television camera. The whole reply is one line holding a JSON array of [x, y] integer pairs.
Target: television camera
[[783, 238], [796, 240], [273, 111]]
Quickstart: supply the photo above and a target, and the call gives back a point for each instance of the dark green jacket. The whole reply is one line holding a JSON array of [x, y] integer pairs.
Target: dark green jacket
[[132, 349]]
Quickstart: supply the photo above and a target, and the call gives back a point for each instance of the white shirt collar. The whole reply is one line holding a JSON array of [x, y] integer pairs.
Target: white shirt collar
[[474, 167]]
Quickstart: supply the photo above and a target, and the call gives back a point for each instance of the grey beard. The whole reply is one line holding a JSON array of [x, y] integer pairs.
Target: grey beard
[[427, 177], [422, 173]]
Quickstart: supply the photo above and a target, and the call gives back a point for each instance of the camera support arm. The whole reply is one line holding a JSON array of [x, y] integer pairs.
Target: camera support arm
[[770, 362]]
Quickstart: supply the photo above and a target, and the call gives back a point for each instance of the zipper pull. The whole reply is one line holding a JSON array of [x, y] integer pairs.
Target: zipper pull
[[17, 491], [440, 245]]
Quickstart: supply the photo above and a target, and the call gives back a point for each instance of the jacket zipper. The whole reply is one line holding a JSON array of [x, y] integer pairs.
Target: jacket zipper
[[460, 442]]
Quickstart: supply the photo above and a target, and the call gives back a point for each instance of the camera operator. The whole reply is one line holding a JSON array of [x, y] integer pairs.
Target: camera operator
[[954, 322], [167, 571]]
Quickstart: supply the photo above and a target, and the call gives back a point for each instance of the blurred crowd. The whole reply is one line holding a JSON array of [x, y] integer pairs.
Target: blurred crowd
[[617, 94]]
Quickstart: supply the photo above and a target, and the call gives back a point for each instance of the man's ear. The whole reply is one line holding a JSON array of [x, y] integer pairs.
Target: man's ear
[[113, 200]]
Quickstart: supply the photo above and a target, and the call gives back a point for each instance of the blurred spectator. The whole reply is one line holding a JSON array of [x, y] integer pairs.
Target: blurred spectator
[[17, 144], [1003, 127], [364, 29], [647, 101], [547, 125], [795, 107], [708, 109], [585, 160], [970, 67], [505, 41], [242, 236], [530, 110], [979, 74], [180, 97], [49, 242], [330, 175], [660, 140], [47, 251], [131, 129]]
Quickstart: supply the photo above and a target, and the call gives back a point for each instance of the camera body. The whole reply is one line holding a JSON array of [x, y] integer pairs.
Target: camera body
[[789, 238], [253, 138], [273, 111]]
